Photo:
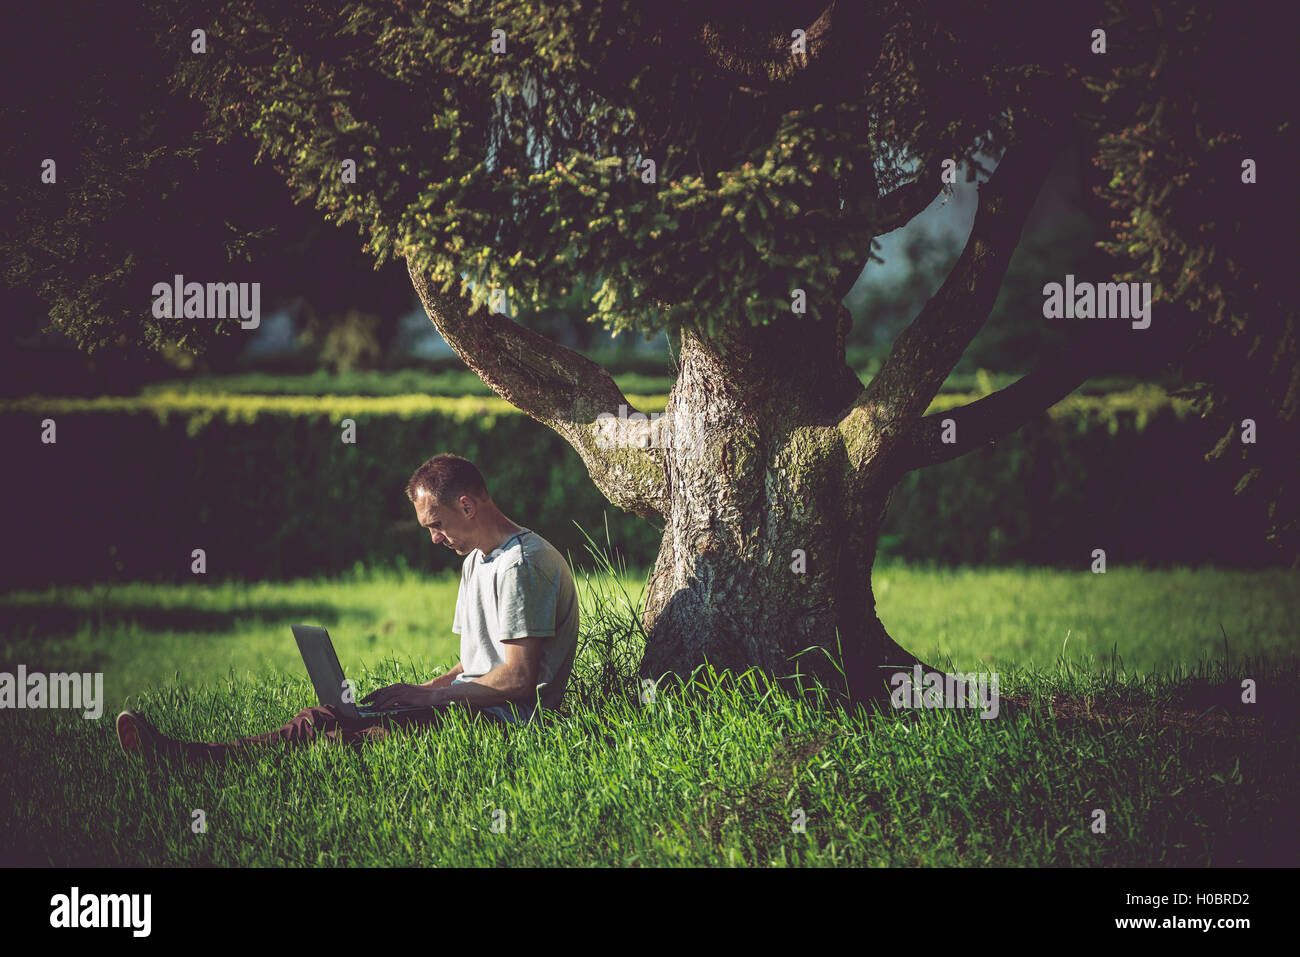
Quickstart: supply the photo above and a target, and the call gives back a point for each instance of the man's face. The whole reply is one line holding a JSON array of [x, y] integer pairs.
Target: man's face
[[449, 525]]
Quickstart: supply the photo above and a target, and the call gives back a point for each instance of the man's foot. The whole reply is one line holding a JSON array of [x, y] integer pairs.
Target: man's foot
[[138, 736]]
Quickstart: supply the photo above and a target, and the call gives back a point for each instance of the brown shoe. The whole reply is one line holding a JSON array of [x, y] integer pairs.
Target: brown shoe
[[138, 736]]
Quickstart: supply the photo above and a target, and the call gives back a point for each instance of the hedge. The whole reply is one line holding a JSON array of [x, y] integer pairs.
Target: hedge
[[267, 488]]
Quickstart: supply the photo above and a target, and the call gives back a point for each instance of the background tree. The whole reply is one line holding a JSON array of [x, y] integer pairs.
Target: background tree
[[142, 193], [1197, 97]]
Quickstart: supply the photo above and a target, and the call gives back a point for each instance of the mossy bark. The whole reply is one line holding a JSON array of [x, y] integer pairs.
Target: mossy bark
[[771, 530]]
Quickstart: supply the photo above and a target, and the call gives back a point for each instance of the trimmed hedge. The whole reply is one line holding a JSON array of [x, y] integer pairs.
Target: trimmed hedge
[[267, 488], [1124, 472]]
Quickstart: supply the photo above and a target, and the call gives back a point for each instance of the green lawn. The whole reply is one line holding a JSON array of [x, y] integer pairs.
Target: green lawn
[[713, 773], [1153, 620]]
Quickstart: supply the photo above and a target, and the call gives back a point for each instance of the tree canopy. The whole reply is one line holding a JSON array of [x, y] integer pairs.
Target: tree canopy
[[520, 156]]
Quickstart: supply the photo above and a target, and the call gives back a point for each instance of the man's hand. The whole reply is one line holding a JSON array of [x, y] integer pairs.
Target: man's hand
[[404, 696]]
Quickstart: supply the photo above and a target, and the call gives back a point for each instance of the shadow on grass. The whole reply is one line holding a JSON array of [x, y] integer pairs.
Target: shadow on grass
[[56, 619]]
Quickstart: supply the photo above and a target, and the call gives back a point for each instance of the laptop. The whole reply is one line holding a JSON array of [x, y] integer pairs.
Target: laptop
[[327, 674]]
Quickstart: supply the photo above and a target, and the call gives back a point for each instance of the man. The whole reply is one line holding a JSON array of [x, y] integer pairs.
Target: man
[[516, 614]]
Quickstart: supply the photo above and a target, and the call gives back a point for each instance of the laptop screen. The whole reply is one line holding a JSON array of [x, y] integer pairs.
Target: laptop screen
[[322, 665]]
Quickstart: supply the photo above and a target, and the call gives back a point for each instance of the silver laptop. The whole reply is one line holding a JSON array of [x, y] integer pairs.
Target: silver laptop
[[327, 674]]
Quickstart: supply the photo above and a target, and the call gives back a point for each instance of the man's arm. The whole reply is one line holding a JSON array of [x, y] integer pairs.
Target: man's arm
[[444, 679], [410, 696], [514, 680]]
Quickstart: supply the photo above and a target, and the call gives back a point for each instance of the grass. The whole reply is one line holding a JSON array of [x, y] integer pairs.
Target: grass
[[1155, 620], [711, 772]]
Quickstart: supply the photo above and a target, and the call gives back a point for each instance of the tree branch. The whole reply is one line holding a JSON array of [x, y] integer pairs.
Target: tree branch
[[900, 206], [927, 350], [893, 211], [752, 63], [994, 416], [1093, 348], [559, 388], [746, 48]]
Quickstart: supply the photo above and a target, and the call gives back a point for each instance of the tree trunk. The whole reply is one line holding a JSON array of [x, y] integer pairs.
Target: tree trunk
[[770, 531]]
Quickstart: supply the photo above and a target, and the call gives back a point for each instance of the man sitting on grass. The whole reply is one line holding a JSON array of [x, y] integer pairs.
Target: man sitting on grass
[[516, 614]]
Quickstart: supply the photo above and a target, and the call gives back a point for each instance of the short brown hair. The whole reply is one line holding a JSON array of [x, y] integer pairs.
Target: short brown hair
[[447, 477]]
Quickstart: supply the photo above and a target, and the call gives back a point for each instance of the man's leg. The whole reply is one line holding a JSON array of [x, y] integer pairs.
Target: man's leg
[[322, 722]]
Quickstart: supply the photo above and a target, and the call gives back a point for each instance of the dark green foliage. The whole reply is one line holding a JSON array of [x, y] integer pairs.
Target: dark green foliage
[[523, 168], [143, 193], [92, 244], [1196, 89]]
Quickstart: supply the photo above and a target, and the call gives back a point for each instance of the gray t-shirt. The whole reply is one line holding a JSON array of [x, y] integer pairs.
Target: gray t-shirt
[[521, 589]]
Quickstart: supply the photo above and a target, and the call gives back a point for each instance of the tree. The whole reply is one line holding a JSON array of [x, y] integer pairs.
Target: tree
[[723, 168]]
